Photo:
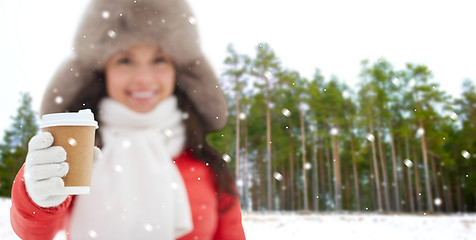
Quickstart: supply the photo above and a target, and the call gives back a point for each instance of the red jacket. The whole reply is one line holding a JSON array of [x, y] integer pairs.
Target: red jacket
[[30, 221]]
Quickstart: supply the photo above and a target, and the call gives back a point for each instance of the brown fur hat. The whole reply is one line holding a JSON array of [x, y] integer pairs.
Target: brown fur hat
[[109, 26]]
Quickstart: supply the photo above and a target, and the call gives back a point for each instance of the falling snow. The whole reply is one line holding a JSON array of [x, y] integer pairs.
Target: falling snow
[[168, 133], [226, 157], [268, 74], [59, 100], [92, 234], [408, 163], [307, 166], [395, 81], [105, 14], [192, 20], [239, 183], [345, 94], [118, 168], [370, 137], [111, 34], [126, 143], [286, 112], [420, 131], [334, 131], [72, 142], [465, 154], [454, 116], [148, 227]]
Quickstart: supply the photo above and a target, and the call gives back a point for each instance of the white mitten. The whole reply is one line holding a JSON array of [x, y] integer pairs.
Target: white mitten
[[44, 168]]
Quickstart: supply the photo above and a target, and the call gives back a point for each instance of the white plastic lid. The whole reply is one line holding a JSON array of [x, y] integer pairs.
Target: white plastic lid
[[73, 190], [83, 117]]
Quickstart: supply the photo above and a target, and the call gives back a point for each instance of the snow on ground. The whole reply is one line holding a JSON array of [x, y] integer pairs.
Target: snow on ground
[[302, 226], [359, 226]]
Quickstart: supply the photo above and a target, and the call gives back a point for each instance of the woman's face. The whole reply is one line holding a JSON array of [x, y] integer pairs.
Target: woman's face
[[140, 78]]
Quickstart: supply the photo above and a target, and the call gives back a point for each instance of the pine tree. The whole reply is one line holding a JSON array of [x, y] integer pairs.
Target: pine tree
[[236, 69], [266, 65], [315, 91], [466, 148], [15, 143], [391, 111]]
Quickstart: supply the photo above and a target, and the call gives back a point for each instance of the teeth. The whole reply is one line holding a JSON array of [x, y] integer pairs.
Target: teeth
[[147, 94]]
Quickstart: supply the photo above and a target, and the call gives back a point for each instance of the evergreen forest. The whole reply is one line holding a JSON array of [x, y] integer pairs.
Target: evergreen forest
[[395, 143]]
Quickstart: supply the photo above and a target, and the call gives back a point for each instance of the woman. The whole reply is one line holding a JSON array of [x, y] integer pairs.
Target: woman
[[139, 67]]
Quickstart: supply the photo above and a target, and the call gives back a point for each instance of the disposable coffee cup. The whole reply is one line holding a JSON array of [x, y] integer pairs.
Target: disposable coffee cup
[[75, 132]]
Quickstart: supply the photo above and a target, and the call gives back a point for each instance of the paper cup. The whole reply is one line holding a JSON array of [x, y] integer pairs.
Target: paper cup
[[75, 132]]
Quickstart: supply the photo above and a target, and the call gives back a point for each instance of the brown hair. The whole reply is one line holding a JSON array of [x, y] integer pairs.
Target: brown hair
[[196, 143]]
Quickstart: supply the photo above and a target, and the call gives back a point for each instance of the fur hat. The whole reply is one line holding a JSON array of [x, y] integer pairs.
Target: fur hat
[[109, 26]]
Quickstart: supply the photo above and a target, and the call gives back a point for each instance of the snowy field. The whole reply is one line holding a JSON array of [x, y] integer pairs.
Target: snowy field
[[277, 226]]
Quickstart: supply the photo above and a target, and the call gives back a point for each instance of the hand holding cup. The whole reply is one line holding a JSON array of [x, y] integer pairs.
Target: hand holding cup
[[60, 159], [45, 166]]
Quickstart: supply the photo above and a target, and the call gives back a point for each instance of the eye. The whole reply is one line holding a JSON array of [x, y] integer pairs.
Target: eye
[[124, 60], [160, 60]]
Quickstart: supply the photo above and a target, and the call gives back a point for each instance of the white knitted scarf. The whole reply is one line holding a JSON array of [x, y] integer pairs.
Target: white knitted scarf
[[136, 191]]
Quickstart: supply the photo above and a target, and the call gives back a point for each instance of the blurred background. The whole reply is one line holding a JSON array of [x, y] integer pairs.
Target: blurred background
[[342, 106]]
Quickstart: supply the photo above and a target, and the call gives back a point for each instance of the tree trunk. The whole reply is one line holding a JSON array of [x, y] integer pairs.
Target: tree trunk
[[315, 184], [374, 159], [282, 190], [246, 174], [263, 182], [435, 182], [255, 195], [237, 135], [298, 192], [372, 188], [383, 165], [304, 161], [347, 204], [409, 177], [394, 168], [447, 202], [322, 194], [376, 176], [337, 173], [291, 180], [429, 197], [401, 178], [268, 146], [275, 186], [444, 193], [449, 190], [417, 182], [354, 170], [328, 162], [459, 195], [262, 187]]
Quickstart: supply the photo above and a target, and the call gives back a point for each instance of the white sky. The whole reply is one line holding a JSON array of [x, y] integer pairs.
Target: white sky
[[334, 36]]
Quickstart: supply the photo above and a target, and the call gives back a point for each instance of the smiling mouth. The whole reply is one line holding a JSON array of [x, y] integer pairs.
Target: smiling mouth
[[142, 94]]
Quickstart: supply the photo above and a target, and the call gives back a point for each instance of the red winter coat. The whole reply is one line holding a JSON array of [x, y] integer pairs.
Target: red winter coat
[[30, 221]]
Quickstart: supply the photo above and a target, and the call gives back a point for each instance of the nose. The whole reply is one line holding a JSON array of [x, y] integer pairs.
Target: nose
[[143, 76]]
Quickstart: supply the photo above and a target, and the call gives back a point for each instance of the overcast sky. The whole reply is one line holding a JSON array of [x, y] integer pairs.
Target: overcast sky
[[334, 36]]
